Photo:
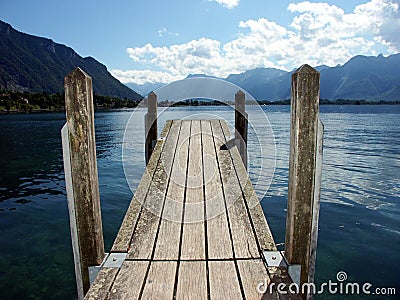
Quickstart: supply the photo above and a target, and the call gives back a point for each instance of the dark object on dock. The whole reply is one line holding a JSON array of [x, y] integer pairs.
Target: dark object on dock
[[241, 125], [195, 227], [150, 125]]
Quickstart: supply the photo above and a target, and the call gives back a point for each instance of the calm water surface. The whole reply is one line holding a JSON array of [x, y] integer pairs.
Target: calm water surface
[[360, 210]]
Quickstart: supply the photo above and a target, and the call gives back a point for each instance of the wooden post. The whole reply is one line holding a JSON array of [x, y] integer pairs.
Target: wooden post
[[241, 125], [305, 167], [79, 151], [151, 125]]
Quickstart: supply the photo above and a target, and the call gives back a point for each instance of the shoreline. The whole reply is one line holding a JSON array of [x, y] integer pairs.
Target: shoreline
[[261, 103]]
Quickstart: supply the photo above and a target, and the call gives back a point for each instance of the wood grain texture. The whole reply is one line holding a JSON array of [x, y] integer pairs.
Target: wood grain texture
[[124, 236], [101, 286], [144, 237], [302, 182], [84, 177], [204, 166], [252, 273], [129, 281], [192, 280], [193, 234], [224, 282], [243, 237], [219, 242], [160, 280], [168, 241], [263, 232]]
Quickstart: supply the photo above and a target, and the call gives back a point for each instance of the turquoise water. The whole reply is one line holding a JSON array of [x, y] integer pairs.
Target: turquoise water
[[360, 210]]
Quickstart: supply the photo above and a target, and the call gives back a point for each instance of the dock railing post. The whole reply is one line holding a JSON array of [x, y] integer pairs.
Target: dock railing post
[[305, 168], [80, 165], [151, 125], [241, 125]]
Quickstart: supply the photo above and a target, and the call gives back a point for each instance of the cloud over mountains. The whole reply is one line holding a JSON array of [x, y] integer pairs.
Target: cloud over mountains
[[319, 33]]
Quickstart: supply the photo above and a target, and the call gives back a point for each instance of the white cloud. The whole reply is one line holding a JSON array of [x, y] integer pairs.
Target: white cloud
[[319, 33], [143, 76], [164, 30], [227, 3], [385, 21]]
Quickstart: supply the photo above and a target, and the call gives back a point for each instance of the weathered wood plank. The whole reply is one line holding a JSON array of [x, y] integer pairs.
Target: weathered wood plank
[[252, 273], [144, 237], [166, 128], [303, 198], [224, 283], [219, 242], [160, 280], [168, 241], [316, 203], [101, 286], [263, 232], [193, 153], [82, 184], [129, 281], [244, 241], [124, 236], [192, 280], [193, 234]]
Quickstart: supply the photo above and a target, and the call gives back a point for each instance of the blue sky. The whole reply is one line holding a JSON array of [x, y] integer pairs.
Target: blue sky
[[161, 41]]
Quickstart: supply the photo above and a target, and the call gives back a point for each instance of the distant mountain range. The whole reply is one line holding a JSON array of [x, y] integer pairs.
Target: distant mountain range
[[36, 64], [361, 78]]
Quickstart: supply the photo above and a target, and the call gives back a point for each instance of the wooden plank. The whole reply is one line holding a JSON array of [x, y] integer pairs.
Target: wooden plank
[[316, 203], [124, 236], [243, 237], [303, 171], [224, 283], [101, 286], [166, 128], [160, 280], [168, 240], [129, 281], [219, 242], [83, 182], [193, 234], [263, 232], [252, 273], [192, 280], [144, 237], [71, 212]]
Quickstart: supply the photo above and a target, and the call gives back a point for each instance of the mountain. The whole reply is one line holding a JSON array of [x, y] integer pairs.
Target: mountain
[[146, 88], [263, 83], [361, 78], [259, 81], [36, 64]]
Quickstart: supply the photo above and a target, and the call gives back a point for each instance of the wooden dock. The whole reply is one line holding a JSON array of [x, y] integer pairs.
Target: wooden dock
[[200, 231], [194, 228]]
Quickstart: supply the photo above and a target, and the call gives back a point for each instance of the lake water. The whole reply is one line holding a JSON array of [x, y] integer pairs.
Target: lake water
[[360, 211]]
